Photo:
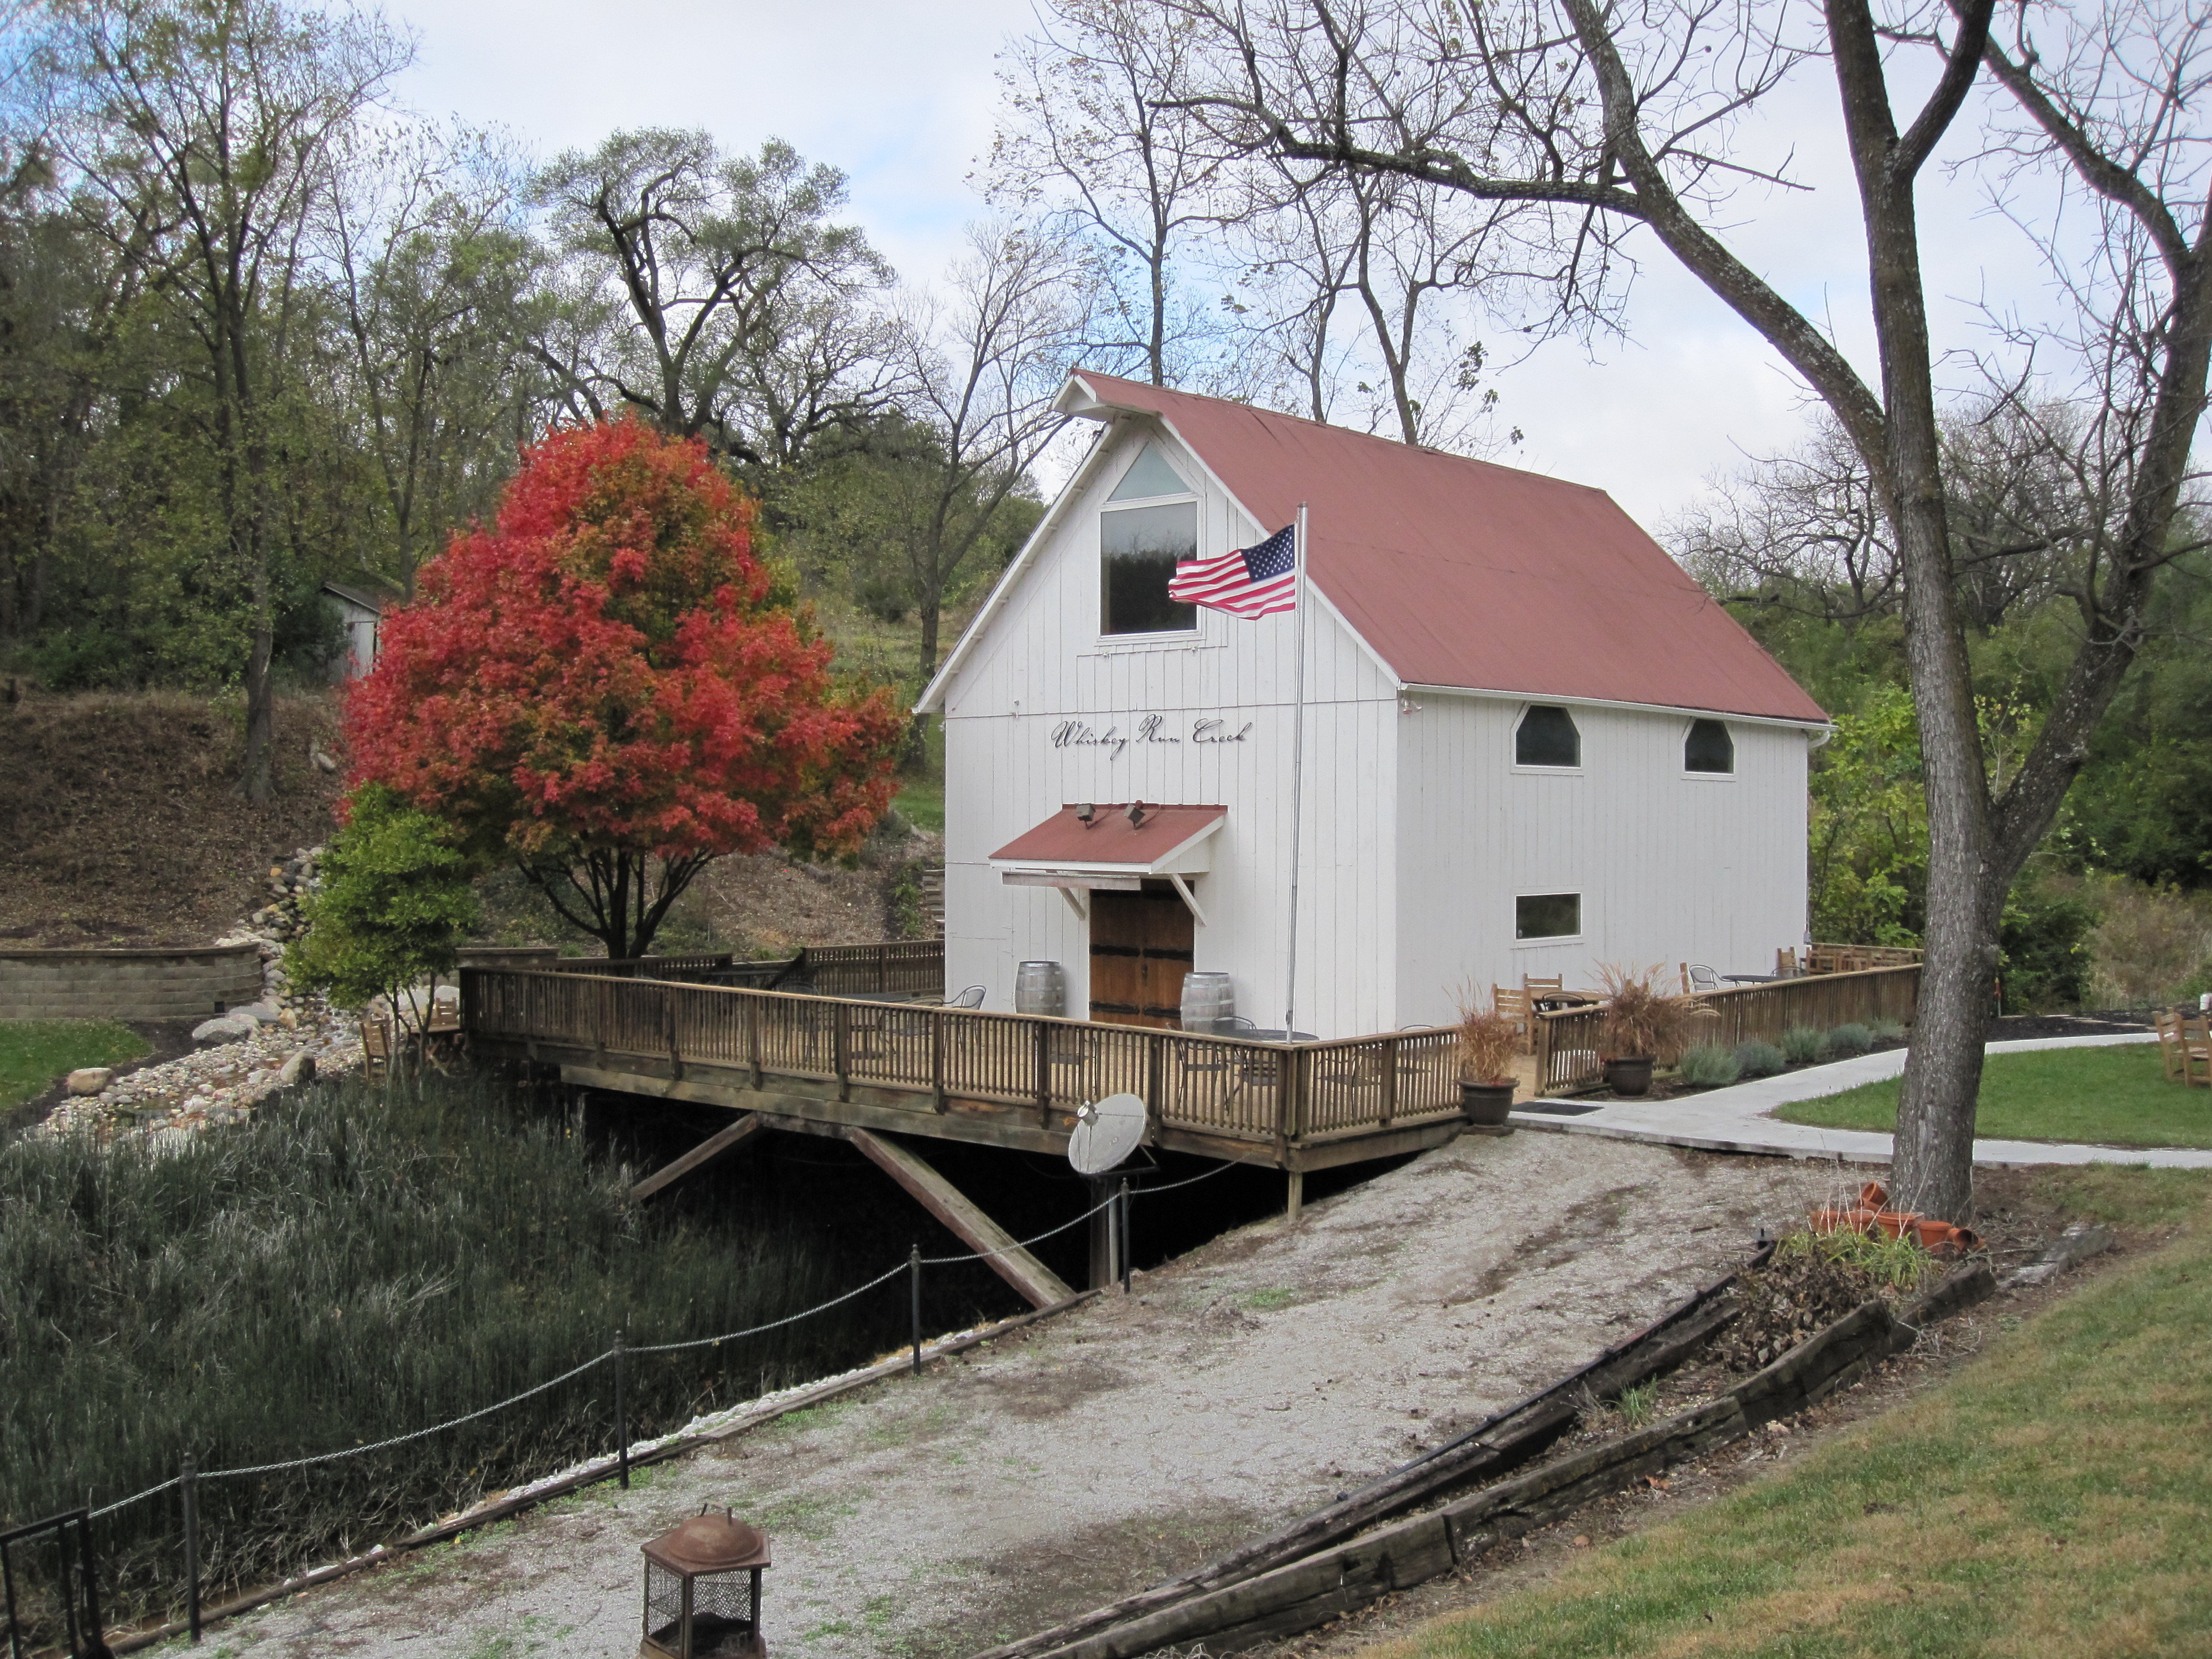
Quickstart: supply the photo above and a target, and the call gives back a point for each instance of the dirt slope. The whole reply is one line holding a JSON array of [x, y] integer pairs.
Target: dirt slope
[[117, 822]]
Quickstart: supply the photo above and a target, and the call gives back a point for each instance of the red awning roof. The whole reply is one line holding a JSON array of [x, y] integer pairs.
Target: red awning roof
[[1063, 841], [1462, 573]]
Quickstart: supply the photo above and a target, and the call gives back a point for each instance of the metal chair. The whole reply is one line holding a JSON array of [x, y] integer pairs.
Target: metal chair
[[1697, 978], [971, 997]]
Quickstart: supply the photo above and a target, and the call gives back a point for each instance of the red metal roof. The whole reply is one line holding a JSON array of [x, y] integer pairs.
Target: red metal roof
[[1109, 837], [1462, 572]]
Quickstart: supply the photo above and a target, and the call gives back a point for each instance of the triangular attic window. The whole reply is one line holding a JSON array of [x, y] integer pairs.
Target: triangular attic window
[[1150, 476]]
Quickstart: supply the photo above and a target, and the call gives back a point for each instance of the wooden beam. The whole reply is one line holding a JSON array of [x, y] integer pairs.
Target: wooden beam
[[705, 1152], [1037, 1282]]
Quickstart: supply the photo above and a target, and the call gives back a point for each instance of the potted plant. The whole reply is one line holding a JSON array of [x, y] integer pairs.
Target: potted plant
[[1488, 1041], [1641, 1025]]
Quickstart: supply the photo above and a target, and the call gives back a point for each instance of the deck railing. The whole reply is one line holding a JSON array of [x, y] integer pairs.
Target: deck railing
[[912, 965], [1270, 1093], [1567, 1044]]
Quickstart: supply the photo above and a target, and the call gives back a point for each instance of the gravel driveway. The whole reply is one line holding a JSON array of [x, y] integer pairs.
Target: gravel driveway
[[1092, 1455]]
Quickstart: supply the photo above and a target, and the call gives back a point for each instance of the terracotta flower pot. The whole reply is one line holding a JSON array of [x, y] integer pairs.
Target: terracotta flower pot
[[1485, 1103], [1628, 1077]]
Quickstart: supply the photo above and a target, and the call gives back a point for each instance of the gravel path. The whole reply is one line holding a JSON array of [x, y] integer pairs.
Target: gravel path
[[1094, 1454]]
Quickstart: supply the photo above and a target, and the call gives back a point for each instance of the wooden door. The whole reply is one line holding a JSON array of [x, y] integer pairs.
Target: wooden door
[[1140, 949]]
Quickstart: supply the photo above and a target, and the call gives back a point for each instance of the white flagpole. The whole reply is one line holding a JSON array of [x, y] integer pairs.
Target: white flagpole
[[1298, 773]]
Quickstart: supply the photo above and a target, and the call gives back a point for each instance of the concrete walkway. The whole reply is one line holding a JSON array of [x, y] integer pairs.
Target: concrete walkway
[[1735, 1119]]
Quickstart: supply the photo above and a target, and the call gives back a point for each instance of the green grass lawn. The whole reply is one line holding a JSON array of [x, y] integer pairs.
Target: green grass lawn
[[2048, 1500], [2116, 1097], [34, 1052]]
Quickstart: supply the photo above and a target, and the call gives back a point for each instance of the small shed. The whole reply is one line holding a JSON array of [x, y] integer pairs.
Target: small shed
[[362, 611], [1532, 744]]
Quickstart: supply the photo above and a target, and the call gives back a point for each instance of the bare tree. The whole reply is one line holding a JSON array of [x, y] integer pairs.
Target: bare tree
[[1408, 264], [714, 295], [1092, 122], [988, 361], [1805, 531], [1600, 118], [430, 272], [217, 123]]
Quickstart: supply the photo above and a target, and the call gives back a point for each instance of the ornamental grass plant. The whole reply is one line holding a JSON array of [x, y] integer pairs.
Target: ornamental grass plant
[[345, 1268], [1486, 1043], [1643, 1021]]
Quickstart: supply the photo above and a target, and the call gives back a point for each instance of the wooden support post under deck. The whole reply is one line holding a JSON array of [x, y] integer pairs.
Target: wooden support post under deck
[[712, 1147], [1297, 1198], [1037, 1282]]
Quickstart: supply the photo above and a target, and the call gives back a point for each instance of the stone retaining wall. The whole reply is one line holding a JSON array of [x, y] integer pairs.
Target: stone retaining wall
[[176, 984]]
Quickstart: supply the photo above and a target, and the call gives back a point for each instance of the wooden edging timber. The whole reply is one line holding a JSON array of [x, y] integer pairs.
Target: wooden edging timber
[[591, 1473], [1324, 1583], [1501, 1442]]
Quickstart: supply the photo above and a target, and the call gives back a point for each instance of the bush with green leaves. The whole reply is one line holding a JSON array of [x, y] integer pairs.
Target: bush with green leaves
[[1888, 1030], [1845, 1040], [395, 905], [1758, 1059], [1801, 1045], [1709, 1066]]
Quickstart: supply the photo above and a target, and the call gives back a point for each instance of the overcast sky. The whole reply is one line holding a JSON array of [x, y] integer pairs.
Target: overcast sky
[[900, 97]]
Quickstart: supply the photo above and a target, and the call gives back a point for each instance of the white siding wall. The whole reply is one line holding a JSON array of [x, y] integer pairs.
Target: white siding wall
[[1671, 867], [1041, 661]]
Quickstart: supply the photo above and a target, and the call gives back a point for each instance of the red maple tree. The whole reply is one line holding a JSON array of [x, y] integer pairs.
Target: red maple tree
[[606, 688]]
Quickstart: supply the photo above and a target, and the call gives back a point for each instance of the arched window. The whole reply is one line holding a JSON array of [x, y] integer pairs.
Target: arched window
[[1548, 736], [1709, 748]]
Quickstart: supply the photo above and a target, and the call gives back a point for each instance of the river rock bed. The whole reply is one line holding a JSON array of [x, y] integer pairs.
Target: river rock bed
[[247, 1054]]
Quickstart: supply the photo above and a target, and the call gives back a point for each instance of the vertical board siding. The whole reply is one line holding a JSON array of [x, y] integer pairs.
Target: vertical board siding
[[1041, 661], [1672, 868]]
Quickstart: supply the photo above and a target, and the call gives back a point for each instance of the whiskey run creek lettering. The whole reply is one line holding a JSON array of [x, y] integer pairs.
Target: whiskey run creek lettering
[[1151, 729]]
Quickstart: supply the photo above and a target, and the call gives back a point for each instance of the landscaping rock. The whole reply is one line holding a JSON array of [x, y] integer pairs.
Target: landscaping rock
[[224, 1027], [300, 1068], [261, 1013], [90, 1080]]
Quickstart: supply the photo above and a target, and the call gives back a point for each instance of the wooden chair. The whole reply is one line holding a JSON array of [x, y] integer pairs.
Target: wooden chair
[[2195, 1050], [1519, 1007], [375, 1048], [1785, 962]]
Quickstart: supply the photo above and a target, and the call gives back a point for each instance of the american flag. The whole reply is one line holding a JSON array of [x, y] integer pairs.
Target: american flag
[[1253, 581]]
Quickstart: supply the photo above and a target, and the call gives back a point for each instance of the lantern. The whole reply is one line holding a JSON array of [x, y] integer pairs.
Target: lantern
[[702, 1590]]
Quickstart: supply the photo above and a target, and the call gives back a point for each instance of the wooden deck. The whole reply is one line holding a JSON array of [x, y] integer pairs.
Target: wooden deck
[[992, 1079]]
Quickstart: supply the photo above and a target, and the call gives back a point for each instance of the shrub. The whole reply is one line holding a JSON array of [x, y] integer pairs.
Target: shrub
[[1846, 1040], [1709, 1066], [1757, 1059], [1888, 1030], [2044, 954], [1801, 1044]]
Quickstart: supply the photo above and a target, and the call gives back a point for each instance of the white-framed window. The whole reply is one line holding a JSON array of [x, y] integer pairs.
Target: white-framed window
[[1708, 749], [1547, 918], [1547, 738], [1148, 525]]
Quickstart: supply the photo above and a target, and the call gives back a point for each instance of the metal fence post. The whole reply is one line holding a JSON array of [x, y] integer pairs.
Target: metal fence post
[[1127, 1254], [622, 1416], [913, 1281], [91, 1586], [188, 1487]]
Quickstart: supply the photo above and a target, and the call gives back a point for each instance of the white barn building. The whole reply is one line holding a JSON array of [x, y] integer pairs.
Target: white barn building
[[1533, 744]]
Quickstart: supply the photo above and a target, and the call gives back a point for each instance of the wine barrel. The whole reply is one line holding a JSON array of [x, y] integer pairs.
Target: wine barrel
[[1208, 1002], [1040, 987]]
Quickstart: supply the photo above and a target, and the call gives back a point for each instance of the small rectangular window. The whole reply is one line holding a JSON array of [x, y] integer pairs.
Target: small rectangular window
[[1548, 915], [1138, 548]]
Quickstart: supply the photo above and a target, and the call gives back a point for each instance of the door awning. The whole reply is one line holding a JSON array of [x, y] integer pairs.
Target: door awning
[[1111, 844]]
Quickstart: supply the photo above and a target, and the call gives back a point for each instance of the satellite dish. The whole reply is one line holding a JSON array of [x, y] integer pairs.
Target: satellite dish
[[1105, 1133]]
